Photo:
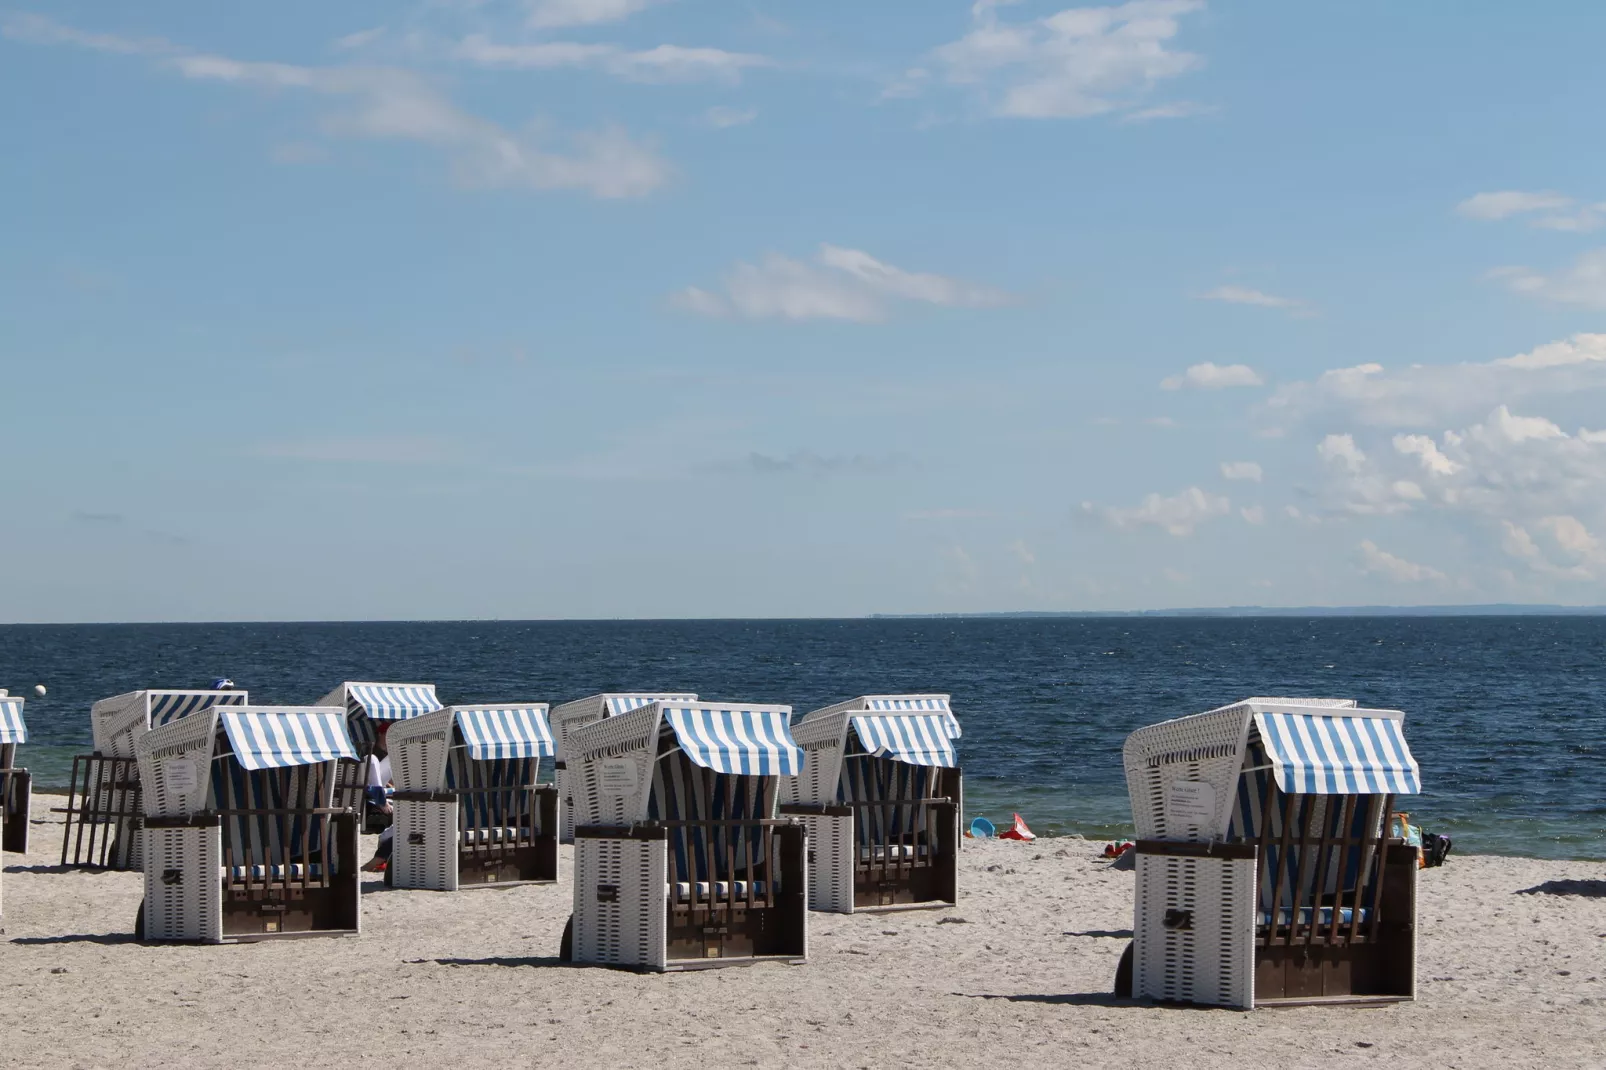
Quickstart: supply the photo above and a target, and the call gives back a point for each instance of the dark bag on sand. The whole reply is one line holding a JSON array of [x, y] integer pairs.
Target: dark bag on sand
[[1434, 849]]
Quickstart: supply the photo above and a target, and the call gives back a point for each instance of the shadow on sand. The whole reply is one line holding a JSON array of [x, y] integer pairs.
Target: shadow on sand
[[1588, 889]]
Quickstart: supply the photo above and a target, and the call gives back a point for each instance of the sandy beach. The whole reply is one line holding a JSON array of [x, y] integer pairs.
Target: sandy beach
[[1513, 974]]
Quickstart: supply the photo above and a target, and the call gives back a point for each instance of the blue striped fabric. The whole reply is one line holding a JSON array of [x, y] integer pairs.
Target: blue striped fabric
[[753, 742], [393, 702], [935, 703], [13, 729], [265, 738], [1334, 754], [618, 704], [914, 738], [506, 731], [168, 706]]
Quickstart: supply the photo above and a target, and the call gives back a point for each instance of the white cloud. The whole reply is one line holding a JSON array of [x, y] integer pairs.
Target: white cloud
[[1341, 449], [722, 116], [1560, 212], [1427, 451], [1242, 295], [1242, 470], [1507, 203], [1584, 283], [1571, 535], [840, 283], [1382, 563], [1579, 349], [1253, 514], [1022, 552], [1078, 62], [1209, 376], [551, 14], [1179, 109], [1177, 515], [665, 63], [396, 104]]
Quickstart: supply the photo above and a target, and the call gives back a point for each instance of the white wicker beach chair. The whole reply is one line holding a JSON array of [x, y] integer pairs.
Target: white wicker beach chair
[[470, 811], [680, 859], [570, 717], [880, 794], [241, 840], [1265, 872], [368, 705], [103, 812], [16, 787]]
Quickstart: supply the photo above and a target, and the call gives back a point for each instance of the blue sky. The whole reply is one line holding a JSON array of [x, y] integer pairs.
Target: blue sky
[[594, 308]]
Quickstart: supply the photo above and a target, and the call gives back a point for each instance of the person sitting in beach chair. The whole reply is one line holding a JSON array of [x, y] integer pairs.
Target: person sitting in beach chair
[[242, 837], [570, 717], [880, 794], [370, 708], [102, 815], [1265, 870], [470, 810], [16, 787], [680, 859]]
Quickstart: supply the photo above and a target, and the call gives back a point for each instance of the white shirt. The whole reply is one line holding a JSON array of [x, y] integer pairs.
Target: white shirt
[[378, 771]]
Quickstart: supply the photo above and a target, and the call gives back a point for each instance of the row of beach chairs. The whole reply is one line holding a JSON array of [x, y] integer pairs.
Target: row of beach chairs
[[704, 832]]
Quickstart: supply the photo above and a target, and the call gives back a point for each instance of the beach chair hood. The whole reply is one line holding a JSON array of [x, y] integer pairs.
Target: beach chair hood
[[13, 729], [748, 741]]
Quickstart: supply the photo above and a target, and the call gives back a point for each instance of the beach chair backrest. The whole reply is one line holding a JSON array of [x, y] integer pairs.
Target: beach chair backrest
[[117, 722]]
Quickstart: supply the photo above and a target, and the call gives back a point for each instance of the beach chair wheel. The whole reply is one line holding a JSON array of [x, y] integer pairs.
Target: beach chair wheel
[[1123, 975], [566, 945], [139, 922]]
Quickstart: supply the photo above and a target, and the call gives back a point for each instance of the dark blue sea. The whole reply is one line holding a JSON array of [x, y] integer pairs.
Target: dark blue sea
[[1504, 714]]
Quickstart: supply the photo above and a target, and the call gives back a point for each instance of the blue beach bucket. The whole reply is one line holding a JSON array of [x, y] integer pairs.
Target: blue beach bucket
[[982, 829]]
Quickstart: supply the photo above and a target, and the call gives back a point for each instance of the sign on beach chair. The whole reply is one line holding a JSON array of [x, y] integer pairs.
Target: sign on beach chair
[[1265, 871], [16, 787], [242, 840], [102, 816], [470, 810], [570, 717], [680, 859], [881, 795]]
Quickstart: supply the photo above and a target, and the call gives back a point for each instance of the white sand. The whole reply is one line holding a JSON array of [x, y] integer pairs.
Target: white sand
[[471, 979]]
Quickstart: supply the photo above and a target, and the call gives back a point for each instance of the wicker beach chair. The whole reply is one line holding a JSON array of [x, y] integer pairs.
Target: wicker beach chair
[[680, 859], [1265, 871], [880, 794], [241, 840], [570, 717], [16, 787], [470, 811], [367, 705], [102, 816]]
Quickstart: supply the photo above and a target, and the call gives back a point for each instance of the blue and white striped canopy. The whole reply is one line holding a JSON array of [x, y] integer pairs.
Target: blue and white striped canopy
[[394, 702], [268, 738], [168, 706], [506, 731], [13, 729], [1330, 753], [912, 738], [619, 704], [754, 742], [916, 702]]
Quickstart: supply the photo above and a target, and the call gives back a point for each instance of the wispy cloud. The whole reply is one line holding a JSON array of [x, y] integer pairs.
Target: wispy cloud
[[392, 103], [664, 63], [1241, 470], [1584, 283], [1243, 295], [1212, 376], [721, 116], [1176, 515], [1078, 62], [809, 463], [553, 14], [1378, 562], [1544, 209], [839, 283]]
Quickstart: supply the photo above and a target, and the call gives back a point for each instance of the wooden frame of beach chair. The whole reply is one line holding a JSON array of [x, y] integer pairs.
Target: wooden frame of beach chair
[[1265, 875], [680, 859], [102, 817], [365, 703], [880, 794], [470, 811], [241, 840], [570, 717], [16, 786]]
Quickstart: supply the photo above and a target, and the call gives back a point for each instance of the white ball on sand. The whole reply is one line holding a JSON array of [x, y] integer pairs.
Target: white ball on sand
[[39, 689]]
